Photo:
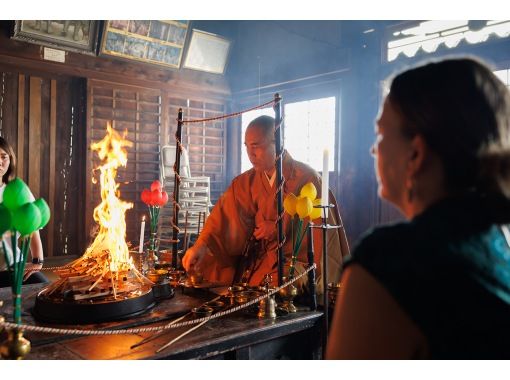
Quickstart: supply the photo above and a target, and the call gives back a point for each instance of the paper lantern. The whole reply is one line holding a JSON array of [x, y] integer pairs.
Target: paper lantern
[[44, 209], [316, 212], [26, 219], [304, 207], [146, 196], [289, 204], [156, 185], [309, 191], [156, 198], [164, 198], [16, 194], [5, 219]]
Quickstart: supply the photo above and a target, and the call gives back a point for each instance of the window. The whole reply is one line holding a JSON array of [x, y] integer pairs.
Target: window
[[309, 128], [430, 35], [504, 75]]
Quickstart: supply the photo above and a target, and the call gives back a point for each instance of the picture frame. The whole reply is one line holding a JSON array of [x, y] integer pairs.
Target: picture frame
[[79, 36], [207, 52], [158, 42]]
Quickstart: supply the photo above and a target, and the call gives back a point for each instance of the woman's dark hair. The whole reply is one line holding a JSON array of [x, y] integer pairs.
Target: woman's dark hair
[[462, 110], [10, 174]]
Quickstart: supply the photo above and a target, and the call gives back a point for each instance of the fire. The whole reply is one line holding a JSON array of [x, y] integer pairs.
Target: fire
[[110, 213], [106, 269]]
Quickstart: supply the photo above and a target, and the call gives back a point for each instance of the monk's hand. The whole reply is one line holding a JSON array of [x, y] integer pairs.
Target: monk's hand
[[265, 230], [193, 257]]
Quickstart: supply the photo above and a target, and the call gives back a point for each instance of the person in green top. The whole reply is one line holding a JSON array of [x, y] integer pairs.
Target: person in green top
[[437, 285]]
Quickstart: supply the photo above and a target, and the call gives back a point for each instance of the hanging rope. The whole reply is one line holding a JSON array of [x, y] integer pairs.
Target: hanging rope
[[229, 115], [52, 330]]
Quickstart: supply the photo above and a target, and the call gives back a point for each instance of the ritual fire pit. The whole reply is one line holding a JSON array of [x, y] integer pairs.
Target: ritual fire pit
[[103, 284], [90, 293]]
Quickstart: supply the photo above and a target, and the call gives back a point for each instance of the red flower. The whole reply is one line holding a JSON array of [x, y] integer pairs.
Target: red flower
[[146, 196], [156, 197], [156, 185], [164, 197]]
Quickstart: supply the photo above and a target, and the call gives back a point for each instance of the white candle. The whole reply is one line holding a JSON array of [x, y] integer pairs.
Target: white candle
[[325, 180], [142, 232]]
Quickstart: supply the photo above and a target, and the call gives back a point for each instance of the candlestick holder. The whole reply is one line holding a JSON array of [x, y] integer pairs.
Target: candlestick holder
[[16, 346], [324, 226]]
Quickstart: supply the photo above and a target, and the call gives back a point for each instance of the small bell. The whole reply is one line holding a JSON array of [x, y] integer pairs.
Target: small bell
[[267, 306]]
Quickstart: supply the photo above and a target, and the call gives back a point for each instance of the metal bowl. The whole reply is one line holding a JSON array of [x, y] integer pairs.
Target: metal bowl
[[215, 305], [235, 289], [157, 275], [246, 295], [202, 311]]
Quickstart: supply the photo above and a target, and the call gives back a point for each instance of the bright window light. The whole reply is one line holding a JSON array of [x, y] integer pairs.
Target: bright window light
[[504, 75], [309, 129]]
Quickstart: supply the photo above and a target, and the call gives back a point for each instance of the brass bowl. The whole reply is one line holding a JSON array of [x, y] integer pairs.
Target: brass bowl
[[246, 295], [235, 289], [252, 294], [202, 311], [215, 305], [157, 275], [257, 288]]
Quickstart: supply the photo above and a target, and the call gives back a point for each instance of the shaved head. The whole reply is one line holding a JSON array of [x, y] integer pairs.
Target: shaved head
[[265, 124]]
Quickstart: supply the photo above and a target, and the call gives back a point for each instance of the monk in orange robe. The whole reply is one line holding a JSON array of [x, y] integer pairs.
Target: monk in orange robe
[[246, 213]]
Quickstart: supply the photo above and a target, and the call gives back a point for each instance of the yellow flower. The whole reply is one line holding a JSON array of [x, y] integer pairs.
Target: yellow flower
[[309, 191], [316, 212], [289, 204], [304, 207]]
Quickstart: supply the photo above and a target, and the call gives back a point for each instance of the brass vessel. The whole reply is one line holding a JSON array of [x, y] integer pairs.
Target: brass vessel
[[16, 347], [287, 295]]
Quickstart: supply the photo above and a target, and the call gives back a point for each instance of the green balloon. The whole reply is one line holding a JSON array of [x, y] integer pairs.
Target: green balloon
[[26, 219], [16, 194], [5, 219], [45, 212]]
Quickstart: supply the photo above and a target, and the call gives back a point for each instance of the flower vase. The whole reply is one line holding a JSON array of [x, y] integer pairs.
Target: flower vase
[[154, 242], [15, 347]]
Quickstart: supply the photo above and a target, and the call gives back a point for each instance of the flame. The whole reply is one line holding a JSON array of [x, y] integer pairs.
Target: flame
[[110, 213]]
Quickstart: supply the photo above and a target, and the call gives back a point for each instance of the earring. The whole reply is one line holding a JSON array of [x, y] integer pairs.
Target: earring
[[410, 189]]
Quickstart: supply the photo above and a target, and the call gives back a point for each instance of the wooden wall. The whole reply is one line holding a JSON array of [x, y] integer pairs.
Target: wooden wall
[[44, 122], [63, 107]]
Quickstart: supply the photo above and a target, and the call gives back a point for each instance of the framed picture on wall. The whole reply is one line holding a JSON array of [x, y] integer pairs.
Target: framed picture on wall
[[79, 36], [152, 41], [207, 52]]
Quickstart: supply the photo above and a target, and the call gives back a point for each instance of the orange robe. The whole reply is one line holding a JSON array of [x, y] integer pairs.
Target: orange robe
[[250, 198]]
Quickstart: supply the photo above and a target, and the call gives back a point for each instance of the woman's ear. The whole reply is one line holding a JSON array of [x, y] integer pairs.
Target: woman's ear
[[417, 152]]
